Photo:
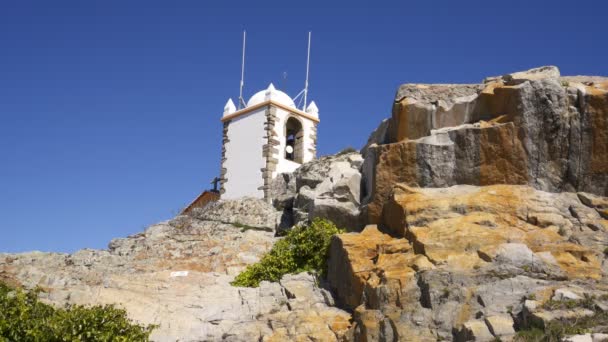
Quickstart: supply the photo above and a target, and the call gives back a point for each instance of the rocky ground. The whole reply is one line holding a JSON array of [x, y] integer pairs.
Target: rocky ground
[[474, 212], [177, 274]]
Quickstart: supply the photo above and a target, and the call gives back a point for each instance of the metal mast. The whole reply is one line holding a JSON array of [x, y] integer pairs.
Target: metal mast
[[307, 70], [241, 100]]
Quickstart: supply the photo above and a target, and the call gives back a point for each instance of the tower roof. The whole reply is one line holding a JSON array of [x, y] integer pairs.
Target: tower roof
[[271, 93]]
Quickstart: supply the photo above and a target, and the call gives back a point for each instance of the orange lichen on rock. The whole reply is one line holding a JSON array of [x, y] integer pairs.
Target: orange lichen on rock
[[502, 158], [597, 107], [451, 225], [373, 259]]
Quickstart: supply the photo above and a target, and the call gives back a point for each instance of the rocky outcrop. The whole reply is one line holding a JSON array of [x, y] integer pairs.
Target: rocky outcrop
[[531, 127], [457, 263], [486, 214], [328, 187], [482, 197], [244, 212], [177, 274]]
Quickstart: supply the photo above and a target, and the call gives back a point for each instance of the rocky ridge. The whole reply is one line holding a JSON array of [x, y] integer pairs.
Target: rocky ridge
[[450, 263], [487, 209], [531, 127], [177, 274], [485, 213]]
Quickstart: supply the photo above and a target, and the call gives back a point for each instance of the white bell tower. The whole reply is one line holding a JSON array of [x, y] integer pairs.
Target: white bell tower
[[267, 137]]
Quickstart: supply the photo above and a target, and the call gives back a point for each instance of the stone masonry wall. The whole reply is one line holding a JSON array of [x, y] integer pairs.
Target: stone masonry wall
[[269, 150], [223, 170]]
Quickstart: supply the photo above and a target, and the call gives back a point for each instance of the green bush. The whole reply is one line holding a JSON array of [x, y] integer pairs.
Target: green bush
[[24, 318], [304, 248], [556, 330]]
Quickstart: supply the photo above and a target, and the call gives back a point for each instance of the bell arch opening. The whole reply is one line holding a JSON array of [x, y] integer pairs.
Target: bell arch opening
[[294, 140]]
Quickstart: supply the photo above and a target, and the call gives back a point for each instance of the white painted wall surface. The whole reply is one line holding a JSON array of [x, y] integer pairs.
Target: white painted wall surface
[[244, 158]]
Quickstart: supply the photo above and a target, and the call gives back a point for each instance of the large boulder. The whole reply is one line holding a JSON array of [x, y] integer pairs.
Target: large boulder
[[482, 196], [328, 187], [531, 127]]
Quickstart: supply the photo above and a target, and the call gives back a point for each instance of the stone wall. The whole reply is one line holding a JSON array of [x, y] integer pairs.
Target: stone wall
[[270, 150], [223, 170]]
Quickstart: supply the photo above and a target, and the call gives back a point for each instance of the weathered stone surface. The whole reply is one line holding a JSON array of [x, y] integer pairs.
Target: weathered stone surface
[[378, 137], [471, 154], [529, 127], [197, 304], [539, 73], [535, 315], [579, 338], [329, 187], [465, 226], [456, 263], [248, 212], [599, 337], [475, 331], [283, 191], [600, 204], [501, 326]]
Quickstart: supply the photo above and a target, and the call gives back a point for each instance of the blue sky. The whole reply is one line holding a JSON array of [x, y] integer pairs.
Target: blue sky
[[109, 110]]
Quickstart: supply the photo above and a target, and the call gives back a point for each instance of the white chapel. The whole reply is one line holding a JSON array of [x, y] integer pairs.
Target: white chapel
[[267, 137]]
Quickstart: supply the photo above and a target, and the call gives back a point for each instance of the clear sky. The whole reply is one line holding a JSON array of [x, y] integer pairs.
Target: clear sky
[[109, 110]]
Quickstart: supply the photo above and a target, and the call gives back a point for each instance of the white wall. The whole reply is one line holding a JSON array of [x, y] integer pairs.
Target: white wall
[[244, 156], [244, 159]]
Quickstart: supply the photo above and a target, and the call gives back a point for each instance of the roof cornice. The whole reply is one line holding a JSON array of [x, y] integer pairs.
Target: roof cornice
[[269, 103]]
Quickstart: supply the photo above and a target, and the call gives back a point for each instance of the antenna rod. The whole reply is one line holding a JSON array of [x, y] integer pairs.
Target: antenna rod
[[241, 101], [307, 69]]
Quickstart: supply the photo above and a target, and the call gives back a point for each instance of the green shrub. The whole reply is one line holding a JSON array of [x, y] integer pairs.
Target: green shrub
[[302, 249], [24, 318], [556, 330]]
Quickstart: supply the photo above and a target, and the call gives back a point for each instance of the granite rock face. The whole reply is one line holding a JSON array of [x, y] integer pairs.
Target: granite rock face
[[486, 206], [248, 212], [457, 263], [328, 187], [177, 274], [531, 127]]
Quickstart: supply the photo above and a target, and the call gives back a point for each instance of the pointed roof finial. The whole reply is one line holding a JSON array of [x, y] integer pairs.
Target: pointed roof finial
[[229, 108], [312, 108], [271, 92]]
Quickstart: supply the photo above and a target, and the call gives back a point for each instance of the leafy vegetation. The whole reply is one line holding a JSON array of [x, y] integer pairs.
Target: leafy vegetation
[[568, 304], [304, 248], [24, 318], [245, 227], [556, 330]]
